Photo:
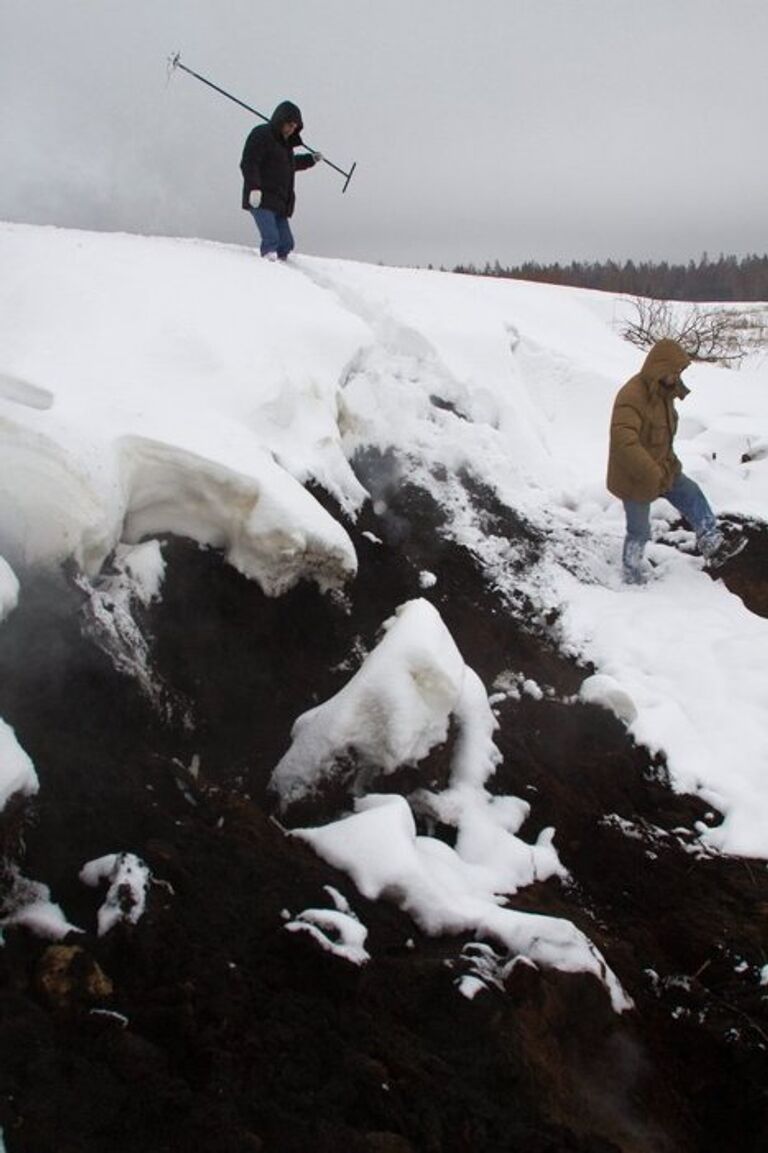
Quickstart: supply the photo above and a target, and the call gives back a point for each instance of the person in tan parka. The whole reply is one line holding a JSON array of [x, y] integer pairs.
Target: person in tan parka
[[642, 464]]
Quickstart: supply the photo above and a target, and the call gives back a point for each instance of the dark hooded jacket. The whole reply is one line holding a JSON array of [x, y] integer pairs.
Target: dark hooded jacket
[[641, 462], [268, 162]]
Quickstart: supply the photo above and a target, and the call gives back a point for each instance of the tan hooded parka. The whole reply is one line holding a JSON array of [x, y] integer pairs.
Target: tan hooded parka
[[641, 462]]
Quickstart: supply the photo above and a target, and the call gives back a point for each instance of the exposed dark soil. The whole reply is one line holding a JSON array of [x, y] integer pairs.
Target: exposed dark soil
[[229, 1034]]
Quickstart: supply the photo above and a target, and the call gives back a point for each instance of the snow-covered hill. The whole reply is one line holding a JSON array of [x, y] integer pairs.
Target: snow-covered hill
[[194, 389], [419, 609]]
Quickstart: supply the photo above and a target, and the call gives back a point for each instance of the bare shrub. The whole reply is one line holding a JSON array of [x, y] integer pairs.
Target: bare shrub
[[716, 335]]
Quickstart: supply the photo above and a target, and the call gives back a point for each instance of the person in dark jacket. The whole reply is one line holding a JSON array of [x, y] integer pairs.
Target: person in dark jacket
[[268, 166], [642, 464]]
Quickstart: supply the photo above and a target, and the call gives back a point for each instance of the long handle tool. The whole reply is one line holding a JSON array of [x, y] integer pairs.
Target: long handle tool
[[174, 62]]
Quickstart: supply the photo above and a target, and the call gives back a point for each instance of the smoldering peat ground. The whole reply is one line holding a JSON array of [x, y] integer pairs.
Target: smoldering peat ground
[[224, 1032]]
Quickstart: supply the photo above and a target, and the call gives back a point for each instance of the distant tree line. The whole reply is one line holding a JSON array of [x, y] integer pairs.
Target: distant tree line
[[726, 279]]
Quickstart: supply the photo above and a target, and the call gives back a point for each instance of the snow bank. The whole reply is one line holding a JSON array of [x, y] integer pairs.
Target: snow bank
[[193, 390], [268, 526], [608, 693]]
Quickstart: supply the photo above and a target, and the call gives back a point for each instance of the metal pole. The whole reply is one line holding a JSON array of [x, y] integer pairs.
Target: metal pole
[[174, 62]]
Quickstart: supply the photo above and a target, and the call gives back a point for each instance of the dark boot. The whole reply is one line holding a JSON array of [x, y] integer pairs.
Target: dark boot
[[729, 547]]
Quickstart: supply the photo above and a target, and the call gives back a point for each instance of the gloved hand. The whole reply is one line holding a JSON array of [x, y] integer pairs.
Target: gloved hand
[[317, 157], [254, 197]]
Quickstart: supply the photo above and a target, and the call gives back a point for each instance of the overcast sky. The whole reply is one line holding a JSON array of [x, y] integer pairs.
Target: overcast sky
[[482, 129]]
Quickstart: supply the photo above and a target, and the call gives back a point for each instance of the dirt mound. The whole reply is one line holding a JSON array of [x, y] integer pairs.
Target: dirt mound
[[207, 1026]]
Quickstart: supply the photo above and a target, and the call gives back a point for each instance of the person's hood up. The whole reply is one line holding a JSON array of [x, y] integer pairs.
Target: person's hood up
[[284, 112], [666, 358]]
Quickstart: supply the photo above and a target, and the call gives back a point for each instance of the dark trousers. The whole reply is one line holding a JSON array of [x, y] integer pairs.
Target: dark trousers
[[275, 232], [690, 502]]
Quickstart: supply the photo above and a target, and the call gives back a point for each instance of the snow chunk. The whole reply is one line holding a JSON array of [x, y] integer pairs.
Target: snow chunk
[[606, 691], [394, 710], [144, 566], [510, 862], [17, 773], [533, 689], [485, 969], [470, 986], [338, 931], [28, 904], [129, 879]]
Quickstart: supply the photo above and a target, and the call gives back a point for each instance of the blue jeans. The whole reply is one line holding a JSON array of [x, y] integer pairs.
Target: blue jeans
[[690, 502], [275, 232]]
